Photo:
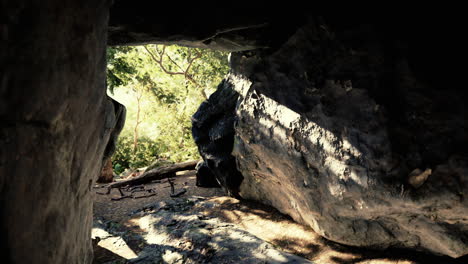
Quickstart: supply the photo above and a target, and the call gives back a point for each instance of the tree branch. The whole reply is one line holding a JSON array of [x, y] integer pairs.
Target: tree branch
[[175, 63], [183, 72], [154, 174], [152, 55], [160, 62]]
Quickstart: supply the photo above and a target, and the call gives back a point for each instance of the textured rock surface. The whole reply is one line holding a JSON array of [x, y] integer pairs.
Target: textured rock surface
[[205, 177], [213, 132], [321, 136], [55, 122], [177, 236], [352, 133], [232, 28], [116, 124]]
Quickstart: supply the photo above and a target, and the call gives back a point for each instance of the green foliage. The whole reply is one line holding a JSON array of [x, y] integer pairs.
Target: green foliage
[[124, 157], [118, 69], [167, 84]]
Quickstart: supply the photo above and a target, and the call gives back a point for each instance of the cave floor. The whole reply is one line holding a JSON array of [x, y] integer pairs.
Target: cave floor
[[205, 226]]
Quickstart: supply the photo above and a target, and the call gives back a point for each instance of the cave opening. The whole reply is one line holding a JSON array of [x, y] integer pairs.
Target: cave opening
[[390, 174], [319, 124], [161, 88]]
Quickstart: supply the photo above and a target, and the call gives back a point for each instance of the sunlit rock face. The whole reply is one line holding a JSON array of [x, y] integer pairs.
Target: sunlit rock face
[[353, 137]]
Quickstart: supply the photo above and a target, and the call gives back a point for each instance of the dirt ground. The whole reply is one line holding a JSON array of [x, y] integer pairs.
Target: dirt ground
[[120, 238]]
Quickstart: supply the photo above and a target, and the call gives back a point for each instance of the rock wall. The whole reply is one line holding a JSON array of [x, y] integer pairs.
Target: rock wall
[[345, 129], [55, 123]]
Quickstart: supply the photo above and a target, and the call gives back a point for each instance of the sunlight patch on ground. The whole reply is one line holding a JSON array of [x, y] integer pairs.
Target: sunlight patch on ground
[[384, 261], [284, 234], [115, 244], [172, 257]]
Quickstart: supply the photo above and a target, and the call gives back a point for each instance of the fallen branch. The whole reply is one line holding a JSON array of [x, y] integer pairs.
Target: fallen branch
[[154, 174], [173, 193], [179, 193], [171, 182], [122, 196], [139, 189]]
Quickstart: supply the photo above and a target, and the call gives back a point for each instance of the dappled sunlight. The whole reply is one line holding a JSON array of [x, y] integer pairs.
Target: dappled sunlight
[[279, 230], [288, 118], [114, 244], [275, 229], [173, 231], [204, 227], [383, 261], [278, 127]]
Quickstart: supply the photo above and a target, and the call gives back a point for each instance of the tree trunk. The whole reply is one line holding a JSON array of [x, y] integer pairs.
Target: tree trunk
[[135, 129], [156, 174]]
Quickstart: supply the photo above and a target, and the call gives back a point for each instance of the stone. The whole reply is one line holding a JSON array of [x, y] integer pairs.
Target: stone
[[107, 173], [205, 178], [328, 129], [177, 235], [55, 123], [115, 124], [213, 132], [417, 177]]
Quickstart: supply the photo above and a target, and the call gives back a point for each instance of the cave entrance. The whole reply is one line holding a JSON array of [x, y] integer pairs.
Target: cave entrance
[[161, 87]]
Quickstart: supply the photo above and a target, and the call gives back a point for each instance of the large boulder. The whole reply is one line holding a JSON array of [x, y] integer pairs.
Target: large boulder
[[353, 137], [107, 173], [55, 123], [116, 124], [213, 132], [205, 177]]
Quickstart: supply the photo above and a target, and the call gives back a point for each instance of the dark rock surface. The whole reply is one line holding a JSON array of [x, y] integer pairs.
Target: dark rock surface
[[213, 132], [115, 123], [205, 177], [343, 135], [232, 28], [55, 122], [352, 129]]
